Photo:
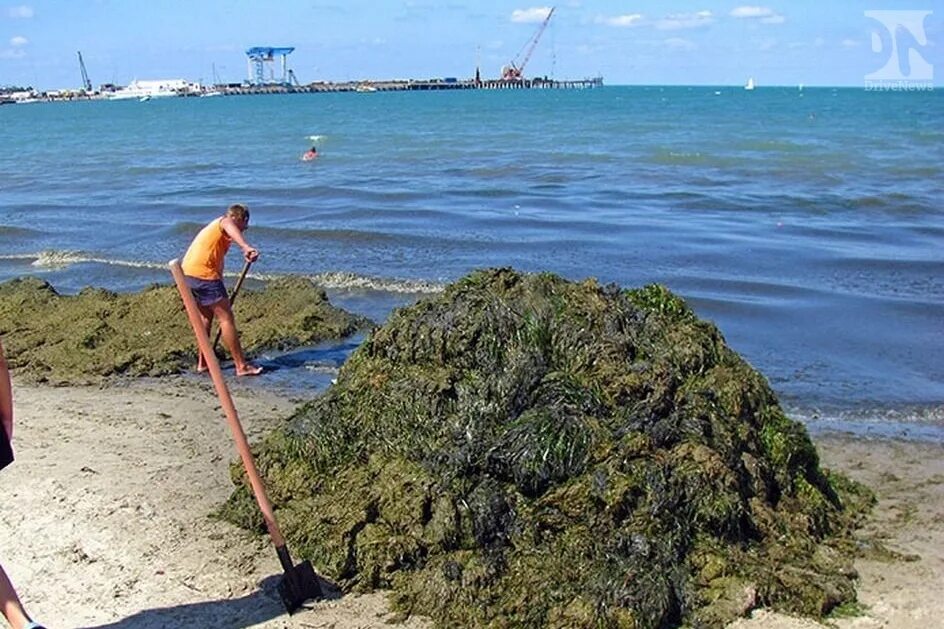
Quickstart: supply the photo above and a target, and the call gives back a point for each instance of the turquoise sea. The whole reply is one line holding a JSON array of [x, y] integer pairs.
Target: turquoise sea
[[809, 225]]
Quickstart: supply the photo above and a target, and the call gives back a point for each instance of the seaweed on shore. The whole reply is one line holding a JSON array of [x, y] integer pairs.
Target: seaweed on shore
[[77, 339], [528, 451]]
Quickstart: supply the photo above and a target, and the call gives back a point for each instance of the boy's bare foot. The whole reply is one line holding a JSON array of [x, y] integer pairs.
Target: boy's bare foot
[[249, 370], [201, 368]]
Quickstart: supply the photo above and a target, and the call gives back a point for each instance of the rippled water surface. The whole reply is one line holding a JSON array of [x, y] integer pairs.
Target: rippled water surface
[[807, 225]]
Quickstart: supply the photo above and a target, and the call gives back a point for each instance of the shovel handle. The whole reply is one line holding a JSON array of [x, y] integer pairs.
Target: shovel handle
[[226, 401], [232, 297]]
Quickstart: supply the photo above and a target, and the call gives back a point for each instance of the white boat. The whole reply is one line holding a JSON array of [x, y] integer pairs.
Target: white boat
[[146, 90], [750, 84]]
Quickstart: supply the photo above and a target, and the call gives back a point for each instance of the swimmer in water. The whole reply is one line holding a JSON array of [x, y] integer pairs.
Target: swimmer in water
[[311, 154]]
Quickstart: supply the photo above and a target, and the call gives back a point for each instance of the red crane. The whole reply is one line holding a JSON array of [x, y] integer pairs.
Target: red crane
[[513, 71]]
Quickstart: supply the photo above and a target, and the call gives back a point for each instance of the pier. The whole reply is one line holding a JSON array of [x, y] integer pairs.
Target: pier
[[395, 85], [410, 85]]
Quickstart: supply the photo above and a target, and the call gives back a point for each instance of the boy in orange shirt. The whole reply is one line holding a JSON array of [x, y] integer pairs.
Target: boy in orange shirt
[[203, 269]]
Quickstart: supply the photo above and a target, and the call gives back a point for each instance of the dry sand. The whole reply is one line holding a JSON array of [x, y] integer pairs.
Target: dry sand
[[106, 520]]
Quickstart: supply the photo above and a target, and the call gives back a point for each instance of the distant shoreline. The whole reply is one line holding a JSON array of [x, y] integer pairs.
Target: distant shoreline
[[434, 84], [240, 89]]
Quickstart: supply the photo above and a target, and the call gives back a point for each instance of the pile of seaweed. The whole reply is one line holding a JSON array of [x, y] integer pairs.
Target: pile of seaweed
[[72, 339], [524, 450]]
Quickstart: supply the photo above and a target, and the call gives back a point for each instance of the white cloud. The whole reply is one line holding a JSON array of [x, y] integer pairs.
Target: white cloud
[[18, 41], [751, 12], [678, 21], [534, 14], [622, 21], [677, 43], [23, 12], [764, 15]]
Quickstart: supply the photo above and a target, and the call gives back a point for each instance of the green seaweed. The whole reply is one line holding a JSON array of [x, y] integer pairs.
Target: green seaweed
[[528, 451], [68, 339]]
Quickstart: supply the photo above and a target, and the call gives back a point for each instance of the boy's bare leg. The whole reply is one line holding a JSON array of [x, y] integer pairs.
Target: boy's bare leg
[[206, 314], [224, 314], [10, 603]]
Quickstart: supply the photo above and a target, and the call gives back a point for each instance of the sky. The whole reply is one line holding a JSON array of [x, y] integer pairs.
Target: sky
[[810, 42]]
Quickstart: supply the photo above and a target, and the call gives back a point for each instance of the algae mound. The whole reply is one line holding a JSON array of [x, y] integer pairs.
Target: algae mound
[[81, 338], [527, 451]]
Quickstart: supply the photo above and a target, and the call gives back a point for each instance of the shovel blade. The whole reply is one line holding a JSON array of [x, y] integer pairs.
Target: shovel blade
[[299, 584]]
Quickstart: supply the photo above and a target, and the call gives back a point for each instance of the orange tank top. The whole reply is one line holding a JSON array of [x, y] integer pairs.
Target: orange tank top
[[204, 258]]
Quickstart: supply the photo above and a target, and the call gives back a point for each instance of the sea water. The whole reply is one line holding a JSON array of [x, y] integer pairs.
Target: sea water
[[808, 225]]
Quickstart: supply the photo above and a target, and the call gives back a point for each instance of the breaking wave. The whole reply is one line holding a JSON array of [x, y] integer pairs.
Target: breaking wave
[[337, 280], [907, 422], [53, 259], [345, 280]]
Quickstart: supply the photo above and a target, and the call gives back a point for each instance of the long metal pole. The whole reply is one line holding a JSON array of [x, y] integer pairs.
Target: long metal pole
[[226, 400]]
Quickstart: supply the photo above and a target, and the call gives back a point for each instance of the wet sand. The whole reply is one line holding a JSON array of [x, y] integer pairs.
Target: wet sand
[[107, 521]]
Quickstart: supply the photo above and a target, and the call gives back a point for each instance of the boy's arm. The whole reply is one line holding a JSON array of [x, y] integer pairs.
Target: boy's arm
[[232, 230], [6, 396]]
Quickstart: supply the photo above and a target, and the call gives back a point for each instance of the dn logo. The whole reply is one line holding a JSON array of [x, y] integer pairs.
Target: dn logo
[[900, 40]]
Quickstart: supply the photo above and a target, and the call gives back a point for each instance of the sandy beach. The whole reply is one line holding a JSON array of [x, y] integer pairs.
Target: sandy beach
[[108, 520]]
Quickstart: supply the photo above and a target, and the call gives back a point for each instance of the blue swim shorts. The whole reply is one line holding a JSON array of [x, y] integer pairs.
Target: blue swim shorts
[[206, 292]]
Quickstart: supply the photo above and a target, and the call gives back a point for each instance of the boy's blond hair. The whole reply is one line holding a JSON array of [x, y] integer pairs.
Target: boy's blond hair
[[238, 211]]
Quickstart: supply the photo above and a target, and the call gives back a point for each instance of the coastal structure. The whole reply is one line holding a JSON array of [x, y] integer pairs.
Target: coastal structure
[[86, 82], [412, 85], [268, 73], [19, 97], [261, 58], [514, 71], [147, 90]]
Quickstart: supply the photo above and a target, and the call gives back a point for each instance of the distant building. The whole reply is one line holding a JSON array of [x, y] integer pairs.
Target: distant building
[[155, 89], [24, 96]]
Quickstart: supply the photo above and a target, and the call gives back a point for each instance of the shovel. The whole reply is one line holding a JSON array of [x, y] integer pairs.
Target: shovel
[[299, 583], [232, 298]]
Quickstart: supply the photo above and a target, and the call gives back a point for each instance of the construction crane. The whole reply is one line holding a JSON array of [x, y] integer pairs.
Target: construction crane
[[259, 56], [513, 71], [85, 80]]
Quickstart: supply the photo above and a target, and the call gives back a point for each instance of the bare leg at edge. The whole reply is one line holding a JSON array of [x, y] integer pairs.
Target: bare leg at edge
[[206, 314], [224, 314], [10, 603]]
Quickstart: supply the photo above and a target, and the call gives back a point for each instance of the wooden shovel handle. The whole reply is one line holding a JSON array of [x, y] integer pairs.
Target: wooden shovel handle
[[232, 297], [226, 401]]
